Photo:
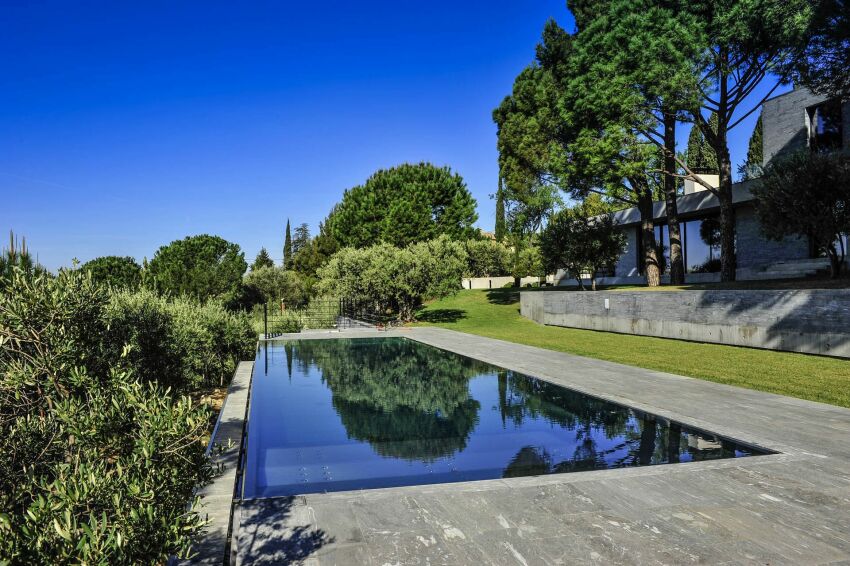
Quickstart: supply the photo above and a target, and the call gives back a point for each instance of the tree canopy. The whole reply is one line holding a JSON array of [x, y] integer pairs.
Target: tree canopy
[[581, 244], [549, 136], [700, 157], [300, 239], [277, 284], [403, 205], [287, 247], [262, 260], [198, 266], [823, 68], [17, 257], [115, 271], [807, 195], [395, 280], [755, 153], [500, 227], [315, 252]]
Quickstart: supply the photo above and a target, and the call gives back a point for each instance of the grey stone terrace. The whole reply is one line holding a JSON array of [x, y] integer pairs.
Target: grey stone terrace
[[788, 508]]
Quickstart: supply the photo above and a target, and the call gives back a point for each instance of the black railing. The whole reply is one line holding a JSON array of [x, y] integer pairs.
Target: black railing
[[324, 314]]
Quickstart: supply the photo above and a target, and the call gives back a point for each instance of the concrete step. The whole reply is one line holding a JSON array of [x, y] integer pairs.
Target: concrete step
[[783, 274], [795, 265]]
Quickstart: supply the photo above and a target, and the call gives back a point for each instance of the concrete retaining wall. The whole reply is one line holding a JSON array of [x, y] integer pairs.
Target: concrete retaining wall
[[808, 321]]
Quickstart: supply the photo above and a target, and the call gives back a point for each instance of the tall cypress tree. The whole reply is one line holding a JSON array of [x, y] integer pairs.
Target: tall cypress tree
[[287, 248], [755, 154], [500, 213], [701, 158]]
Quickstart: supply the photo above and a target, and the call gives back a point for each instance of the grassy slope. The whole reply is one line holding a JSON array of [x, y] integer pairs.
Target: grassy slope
[[495, 314]]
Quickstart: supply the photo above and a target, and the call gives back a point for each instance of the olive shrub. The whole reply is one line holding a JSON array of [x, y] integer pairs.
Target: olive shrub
[[98, 461]]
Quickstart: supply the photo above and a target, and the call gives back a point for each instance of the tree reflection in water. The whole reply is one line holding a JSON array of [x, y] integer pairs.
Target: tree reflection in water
[[406, 400], [645, 440], [413, 402]]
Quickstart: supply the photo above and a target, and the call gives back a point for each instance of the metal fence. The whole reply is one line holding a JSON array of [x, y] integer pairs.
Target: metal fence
[[329, 314]]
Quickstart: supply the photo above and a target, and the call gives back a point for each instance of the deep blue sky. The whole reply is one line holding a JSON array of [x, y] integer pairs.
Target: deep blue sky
[[125, 125]]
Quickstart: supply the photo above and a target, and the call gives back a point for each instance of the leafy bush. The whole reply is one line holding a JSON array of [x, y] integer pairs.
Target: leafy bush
[[96, 466], [17, 257], [710, 266], [142, 322], [211, 340], [180, 343], [487, 258], [395, 279], [288, 321], [277, 285]]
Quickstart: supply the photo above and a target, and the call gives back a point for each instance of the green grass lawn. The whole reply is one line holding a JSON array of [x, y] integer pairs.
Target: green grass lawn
[[495, 314]]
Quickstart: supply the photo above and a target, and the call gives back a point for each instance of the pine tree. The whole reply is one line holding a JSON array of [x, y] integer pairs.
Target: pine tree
[[755, 154], [262, 260], [17, 256], [287, 248], [301, 238], [500, 213]]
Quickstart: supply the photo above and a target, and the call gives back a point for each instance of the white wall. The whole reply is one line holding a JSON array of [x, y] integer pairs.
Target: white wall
[[499, 282]]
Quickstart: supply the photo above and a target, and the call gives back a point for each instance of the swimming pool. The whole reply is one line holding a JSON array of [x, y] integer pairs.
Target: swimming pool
[[358, 413]]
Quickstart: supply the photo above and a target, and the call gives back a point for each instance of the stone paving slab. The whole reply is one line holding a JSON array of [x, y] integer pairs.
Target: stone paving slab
[[788, 508]]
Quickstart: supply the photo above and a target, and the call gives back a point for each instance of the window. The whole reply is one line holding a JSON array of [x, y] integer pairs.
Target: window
[[825, 128], [702, 245]]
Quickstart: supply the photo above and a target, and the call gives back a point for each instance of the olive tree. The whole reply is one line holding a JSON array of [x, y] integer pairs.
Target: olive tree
[[807, 195], [581, 244], [395, 280], [278, 284], [487, 258], [98, 464]]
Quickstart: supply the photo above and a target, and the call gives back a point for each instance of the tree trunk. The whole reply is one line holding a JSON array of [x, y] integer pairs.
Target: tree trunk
[[647, 441], [724, 162], [593, 282], [650, 251], [727, 214], [834, 261], [674, 437], [677, 264]]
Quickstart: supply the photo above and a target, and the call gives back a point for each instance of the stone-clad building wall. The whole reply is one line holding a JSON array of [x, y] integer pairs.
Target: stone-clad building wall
[[784, 123], [755, 250]]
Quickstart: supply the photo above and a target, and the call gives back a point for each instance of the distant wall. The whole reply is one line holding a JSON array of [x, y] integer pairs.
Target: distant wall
[[499, 282], [808, 321]]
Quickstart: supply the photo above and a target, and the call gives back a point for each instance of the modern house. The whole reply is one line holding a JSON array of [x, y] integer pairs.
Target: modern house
[[791, 122]]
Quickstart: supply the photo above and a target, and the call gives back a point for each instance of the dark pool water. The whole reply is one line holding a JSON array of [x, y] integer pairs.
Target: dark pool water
[[342, 414]]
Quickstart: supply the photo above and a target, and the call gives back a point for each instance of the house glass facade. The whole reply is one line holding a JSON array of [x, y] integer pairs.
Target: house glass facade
[[700, 245]]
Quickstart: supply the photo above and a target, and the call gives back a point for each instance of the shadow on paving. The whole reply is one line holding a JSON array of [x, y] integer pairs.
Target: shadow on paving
[[441, 315], [278, 531]]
